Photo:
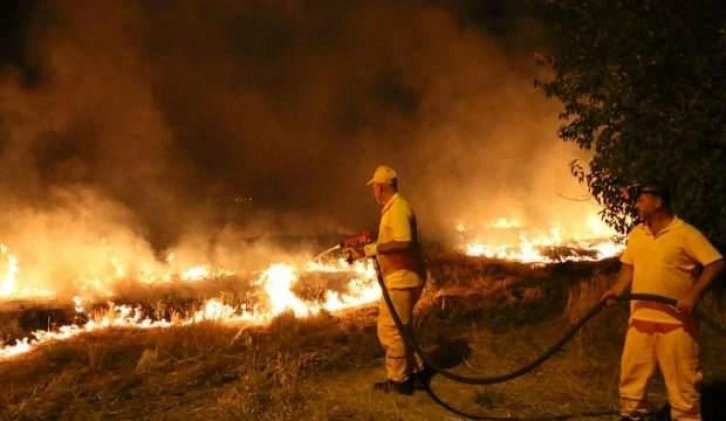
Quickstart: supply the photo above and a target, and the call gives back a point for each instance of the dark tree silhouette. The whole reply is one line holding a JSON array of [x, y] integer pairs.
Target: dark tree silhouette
[[644, 87]]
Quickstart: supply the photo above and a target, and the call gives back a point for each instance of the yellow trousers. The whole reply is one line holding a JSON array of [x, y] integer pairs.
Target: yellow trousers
[[675, 352], [401, 361]]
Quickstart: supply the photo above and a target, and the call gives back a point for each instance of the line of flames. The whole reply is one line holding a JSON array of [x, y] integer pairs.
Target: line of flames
[[597, 241], [277, 282]]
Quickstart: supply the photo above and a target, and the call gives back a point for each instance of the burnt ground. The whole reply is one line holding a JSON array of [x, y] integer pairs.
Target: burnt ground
[[481, 317]]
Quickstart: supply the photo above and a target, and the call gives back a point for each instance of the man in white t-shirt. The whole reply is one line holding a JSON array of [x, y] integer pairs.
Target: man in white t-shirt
[[663, 256]]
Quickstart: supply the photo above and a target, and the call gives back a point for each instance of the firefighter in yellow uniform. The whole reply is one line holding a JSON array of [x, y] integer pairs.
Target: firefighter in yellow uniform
[[398, 254], [663, 256]]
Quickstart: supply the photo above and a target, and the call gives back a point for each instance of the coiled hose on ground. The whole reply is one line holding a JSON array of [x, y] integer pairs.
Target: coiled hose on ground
[[410, 339]]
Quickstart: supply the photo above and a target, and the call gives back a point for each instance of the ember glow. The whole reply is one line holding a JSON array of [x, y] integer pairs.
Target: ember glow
[[276, 281], [510, 239]]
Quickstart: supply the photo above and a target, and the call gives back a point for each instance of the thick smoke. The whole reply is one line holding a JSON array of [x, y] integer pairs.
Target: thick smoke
[[161, 125]]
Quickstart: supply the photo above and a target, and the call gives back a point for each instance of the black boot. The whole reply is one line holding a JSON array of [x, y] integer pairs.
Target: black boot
[[389, 386], [422, 379]]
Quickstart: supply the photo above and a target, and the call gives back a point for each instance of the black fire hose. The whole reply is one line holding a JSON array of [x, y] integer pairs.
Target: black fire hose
[[409, 338]]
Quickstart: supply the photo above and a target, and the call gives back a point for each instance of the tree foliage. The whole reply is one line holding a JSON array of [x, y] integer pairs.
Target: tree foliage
[[643, 84]]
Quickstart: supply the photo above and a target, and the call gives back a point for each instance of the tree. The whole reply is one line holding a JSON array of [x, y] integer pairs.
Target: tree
[[643, 88]]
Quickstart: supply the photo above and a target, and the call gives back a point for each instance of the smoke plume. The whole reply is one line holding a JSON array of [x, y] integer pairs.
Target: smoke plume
[[155, 125]]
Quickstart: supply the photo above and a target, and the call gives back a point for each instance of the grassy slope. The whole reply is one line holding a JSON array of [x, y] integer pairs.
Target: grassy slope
[[322, 368]]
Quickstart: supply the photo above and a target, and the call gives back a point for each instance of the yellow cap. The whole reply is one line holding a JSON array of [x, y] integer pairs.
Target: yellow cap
[[383, 175]]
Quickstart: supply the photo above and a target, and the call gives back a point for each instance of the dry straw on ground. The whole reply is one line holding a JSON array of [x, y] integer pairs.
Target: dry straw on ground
[[487, 317]]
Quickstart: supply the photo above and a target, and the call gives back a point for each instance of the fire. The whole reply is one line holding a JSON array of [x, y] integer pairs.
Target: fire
[[7, 284], [507, 239], [503, 238], [276, 281], [201, 272]]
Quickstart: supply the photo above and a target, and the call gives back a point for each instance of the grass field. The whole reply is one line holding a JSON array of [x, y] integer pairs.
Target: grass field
[[479, 316]]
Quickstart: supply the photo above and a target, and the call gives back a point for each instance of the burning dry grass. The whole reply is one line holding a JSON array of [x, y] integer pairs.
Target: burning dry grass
[[487, 317], [251, 300], [168, 373]]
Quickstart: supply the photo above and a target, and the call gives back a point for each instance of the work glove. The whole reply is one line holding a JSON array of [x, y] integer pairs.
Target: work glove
[[351, 254]]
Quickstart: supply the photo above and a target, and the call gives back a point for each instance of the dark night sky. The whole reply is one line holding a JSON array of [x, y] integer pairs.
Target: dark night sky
[[12, 20], [172, 109]]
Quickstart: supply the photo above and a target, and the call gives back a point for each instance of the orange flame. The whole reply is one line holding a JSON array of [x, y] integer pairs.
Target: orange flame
[[7, 283], [530, 247], [276, 281]]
